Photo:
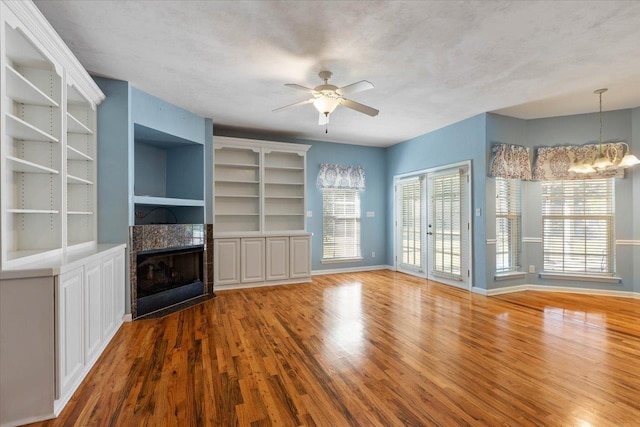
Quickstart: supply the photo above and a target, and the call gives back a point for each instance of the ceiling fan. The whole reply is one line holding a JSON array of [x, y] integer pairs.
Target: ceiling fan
[[327, 97]]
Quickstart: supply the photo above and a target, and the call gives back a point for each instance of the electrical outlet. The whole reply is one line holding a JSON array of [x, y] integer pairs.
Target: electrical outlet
[[532, 269], [373, 254]]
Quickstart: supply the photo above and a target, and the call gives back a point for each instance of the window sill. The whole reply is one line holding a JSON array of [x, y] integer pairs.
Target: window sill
[[509, 276], [580, 277], [340, 260]]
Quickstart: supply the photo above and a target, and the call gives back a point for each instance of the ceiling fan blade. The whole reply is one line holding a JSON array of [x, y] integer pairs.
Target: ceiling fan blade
[[323, 119], [302, 88], [361, 108], [355, 87], [295, 104]]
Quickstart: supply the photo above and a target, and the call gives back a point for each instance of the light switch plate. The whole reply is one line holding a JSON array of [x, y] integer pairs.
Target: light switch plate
[[309, 214], [371, 214]]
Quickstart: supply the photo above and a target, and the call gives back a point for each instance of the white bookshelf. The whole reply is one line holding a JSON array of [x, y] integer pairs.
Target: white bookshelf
[[259, 186], [47, 162]]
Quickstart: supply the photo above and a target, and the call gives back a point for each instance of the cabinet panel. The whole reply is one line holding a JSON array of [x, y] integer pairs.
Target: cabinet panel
[[252, 260], [108, 296], [93, 310], [226, 261], [300, 256], [70, 350], [119, 285], [277, 259]]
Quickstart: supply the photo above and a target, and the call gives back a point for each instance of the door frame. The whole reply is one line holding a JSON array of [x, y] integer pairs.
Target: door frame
[[400, 177]]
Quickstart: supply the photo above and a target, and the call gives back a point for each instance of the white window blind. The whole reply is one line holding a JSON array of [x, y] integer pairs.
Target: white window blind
[[412, 211], [577, 219], [445, 220], [340, 224], [508, 225]]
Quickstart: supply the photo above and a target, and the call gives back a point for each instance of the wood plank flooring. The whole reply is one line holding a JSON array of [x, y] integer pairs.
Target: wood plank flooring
[[371, 349]]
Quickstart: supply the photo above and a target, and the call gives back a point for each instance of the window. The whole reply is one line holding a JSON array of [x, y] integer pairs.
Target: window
[[577, 226], [445, 223], [411, 217], [340, 224], [508, 226]]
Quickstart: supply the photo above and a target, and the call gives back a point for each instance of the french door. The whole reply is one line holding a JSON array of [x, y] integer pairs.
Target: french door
[[433, 225]]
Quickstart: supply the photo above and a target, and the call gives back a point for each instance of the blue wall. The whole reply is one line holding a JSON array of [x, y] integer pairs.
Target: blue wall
[[575, 130], [371, 199], [465, 140]]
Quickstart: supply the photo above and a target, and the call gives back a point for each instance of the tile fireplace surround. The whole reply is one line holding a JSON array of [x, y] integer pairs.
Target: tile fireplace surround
[[170, 236]]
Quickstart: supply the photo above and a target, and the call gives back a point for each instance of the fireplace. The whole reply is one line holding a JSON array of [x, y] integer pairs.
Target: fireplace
[[167, 277], [171, 267]]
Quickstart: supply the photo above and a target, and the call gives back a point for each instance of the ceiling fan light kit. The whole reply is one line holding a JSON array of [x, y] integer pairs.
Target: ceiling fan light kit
[[327, 97], [602, 162]]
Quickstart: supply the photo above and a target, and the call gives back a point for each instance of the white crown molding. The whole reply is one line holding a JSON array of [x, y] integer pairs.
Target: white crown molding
[[30, 15]]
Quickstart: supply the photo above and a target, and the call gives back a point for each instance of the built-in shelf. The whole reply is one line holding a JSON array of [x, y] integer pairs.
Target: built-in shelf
[[283, 214], [32, 211], [284, 197], [238, 165], [77, 180], [20, 165], [19, 129], [76, 126], [290, 168], [20, 50], [284, 183], [166, 201], [75, 154], [238, 196], [238, 214], [79, 213], [23, 91], [237, 181]]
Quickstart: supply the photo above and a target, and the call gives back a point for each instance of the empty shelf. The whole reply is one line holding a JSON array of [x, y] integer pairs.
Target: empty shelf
[[19, 129], [23, 91], [20, 165]]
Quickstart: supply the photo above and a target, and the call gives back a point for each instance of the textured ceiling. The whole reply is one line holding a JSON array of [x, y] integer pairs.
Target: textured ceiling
[[432, 63]]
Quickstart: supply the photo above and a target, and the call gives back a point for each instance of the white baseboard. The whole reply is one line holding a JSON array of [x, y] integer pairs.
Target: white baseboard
[[217, 288], [127, 318], [351, 269], [564, 289]]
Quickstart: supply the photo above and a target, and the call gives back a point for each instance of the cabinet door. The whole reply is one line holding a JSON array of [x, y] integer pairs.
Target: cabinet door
[[92, 310], [226, 261], [300, 256], [120, 284], [252, 260], [277, 258], [69, 315], [108, 296]]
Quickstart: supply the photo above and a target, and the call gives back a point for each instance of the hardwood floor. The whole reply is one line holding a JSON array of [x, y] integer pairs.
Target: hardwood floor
[[371, 349]]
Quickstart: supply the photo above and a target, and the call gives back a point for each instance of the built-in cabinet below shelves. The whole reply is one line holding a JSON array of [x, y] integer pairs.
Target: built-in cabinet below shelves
[[261, 261], [56, 318], [48, 114]]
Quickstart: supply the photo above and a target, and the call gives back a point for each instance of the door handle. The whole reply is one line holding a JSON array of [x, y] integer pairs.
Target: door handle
[[430, 233]]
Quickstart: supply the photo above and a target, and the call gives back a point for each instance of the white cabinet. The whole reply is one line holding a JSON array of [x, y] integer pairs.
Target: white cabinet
[[108, 295], [226, 261], [300, 253], [277, 258], [48, 133], [56, 318], [70, 357], [261, 261], [252, 260], [93, 288]]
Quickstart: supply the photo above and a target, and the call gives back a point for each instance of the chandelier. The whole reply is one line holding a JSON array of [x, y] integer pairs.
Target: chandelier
[[604, 160]]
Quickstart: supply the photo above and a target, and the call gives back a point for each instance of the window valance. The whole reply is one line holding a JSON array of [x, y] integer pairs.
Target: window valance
[[341, 177], [511, 162], [553, 163]]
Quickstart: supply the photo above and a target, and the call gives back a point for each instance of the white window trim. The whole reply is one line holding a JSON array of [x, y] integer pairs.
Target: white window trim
[[340, 260], [355, 257]]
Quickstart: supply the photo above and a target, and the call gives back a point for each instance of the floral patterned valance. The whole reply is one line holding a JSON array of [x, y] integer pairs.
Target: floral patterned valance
[[510, 161], [342, 177], [553, 163]]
